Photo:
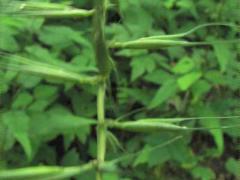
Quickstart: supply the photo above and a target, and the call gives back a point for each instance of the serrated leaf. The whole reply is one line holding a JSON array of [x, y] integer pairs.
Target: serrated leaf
[[187, 80], [56, 121], [212, 122], [203, 173], [140, 65], [61, 36], [185, 65], [233, 166], [158, 77], [22, 100], [7, 40], [200, 88], [18, 123], [45, 91], [224, 55], [71, 158], [143, 156], [7, 139], [166, 91]]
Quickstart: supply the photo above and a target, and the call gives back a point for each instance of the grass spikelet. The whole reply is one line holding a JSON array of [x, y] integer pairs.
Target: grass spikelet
[[42, 9], [45, 172], [22, 64]]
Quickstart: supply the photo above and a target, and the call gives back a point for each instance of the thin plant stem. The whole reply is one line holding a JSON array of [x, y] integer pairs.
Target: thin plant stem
[[101, 129], [103, 59], [104, 65]]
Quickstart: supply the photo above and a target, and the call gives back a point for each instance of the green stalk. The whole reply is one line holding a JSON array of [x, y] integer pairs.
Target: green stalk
[[103, 58], [104, 64], [45, 172], [101, 131], [73, 13], [151, 43]]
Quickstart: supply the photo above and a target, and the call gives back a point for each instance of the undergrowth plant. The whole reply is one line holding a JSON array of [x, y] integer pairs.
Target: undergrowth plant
[[98, 78]]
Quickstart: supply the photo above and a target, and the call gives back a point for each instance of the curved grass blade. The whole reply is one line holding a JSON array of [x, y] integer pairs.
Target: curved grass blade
[[45, 172], [130, 113], [184, 34], [133, 155], [42, 9], [214, 128], [80, 13], [175, 120], [114, 142], [164, 43], [22, 64]]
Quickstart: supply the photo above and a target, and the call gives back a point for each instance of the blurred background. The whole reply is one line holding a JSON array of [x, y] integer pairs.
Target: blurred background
[[204, 81]]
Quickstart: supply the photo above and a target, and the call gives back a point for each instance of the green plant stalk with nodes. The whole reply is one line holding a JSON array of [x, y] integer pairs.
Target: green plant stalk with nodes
[[101, 128], [105, 65]]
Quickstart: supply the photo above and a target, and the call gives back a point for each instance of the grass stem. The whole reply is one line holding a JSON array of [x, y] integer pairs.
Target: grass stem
[[101, 129]]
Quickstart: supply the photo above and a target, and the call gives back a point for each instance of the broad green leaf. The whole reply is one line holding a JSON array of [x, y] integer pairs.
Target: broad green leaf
[[143, 157], [182, 154], [165, 145], [56, 121], [235, 133], [136, 18], [185, 65], [140, 65], [18, 123], [40, 105], [27, 81], [155, 159], [169, 3], [61, 36], [134, 94], [21, 24], [7, 139], [200, 88], [224, 55], [203, 173], [215, 77], [188, 80], [212, 122], [188, 5], [22, 100], [45, 91], [87, 108], [233, 166], [110, 176], [166, 91], [158, 77], [7, 39], [42, 54], [71, 158], [84, 62]]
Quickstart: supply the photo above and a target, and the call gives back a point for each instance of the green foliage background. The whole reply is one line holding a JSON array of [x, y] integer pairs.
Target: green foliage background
[[46, 121]]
